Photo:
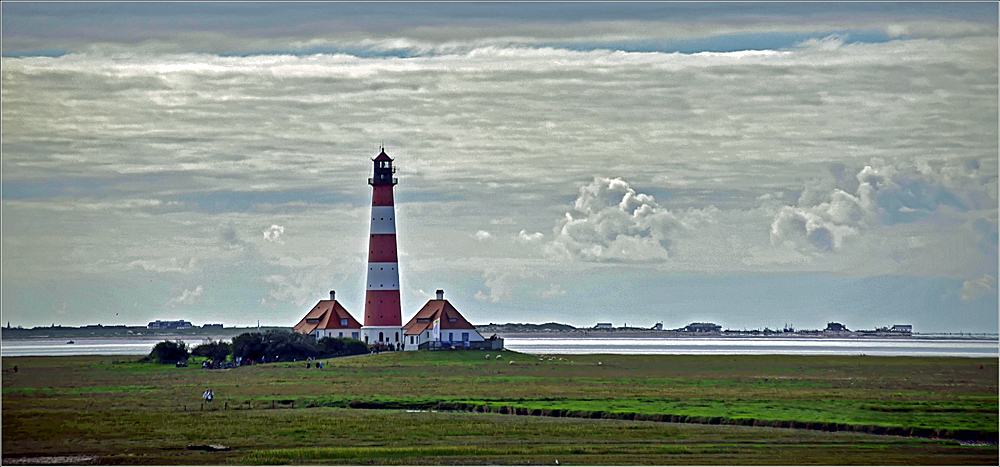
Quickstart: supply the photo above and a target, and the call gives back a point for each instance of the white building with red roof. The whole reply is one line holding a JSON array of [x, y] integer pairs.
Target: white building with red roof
[[441, 325], [329, 319]]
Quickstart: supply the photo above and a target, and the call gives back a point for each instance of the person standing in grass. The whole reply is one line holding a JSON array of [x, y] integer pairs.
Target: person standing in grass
[[208, 395]]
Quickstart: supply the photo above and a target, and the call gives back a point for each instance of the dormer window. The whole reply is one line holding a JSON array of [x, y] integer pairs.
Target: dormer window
[[423, 320], [343, 321], [312, 320]]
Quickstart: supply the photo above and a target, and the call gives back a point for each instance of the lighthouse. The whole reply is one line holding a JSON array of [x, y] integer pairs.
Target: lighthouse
[[383, 320]]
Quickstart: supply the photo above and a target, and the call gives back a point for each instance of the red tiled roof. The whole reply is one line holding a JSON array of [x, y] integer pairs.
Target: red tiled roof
[[382, 156], [437, 309], [327, 315]]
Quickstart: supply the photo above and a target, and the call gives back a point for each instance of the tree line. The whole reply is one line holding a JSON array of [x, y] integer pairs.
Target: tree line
[[270, 346]]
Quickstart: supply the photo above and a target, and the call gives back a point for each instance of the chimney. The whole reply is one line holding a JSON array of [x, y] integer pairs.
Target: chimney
[[440, 294], [331, 295]]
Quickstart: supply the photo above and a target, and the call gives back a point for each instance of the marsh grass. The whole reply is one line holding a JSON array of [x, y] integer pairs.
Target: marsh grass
[[138, 413]]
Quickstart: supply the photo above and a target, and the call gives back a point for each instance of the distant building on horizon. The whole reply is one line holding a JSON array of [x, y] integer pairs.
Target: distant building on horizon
[[603, 326], [902, 328], [836, 327], [179, 324], [702, 327]]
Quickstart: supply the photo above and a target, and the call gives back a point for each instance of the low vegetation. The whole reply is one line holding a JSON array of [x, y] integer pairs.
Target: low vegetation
[[464, 408]]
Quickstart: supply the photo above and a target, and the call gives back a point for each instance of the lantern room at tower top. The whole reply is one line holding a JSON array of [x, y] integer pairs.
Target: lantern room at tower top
[[383, 170]]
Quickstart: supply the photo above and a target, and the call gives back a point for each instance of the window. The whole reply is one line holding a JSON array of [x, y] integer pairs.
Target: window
[[452, 319], [341, 334], [312, 320], [343, 321], [465, 337], [423, 320], [354, 335], [451, 336]]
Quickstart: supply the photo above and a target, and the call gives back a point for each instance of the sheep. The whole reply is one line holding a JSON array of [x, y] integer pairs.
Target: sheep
[[510, 362], [599, 363], [487, 356], [498, 357]]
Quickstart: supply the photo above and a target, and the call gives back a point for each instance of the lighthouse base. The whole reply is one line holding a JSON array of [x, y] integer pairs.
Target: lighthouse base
[[385, 335]]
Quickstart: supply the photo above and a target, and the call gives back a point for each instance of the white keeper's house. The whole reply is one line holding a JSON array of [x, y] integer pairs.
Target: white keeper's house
[[329, 319], [439, 324]]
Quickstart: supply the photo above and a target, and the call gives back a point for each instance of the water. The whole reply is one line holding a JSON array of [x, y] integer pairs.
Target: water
[[758, 346], [59, 347], [915, 347]]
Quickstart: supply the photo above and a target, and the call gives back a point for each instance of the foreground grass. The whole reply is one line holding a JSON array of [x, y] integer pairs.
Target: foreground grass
[[147, 414]]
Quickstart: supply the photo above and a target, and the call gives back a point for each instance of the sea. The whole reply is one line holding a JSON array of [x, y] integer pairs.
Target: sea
[[986, 347]]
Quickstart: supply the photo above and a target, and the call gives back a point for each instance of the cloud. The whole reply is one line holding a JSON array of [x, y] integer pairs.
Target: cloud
[[973, 289], [502, 284], [165, 265], [120, 157], [617, 224], [482, 235], [554, 290], [884, 195], [188, 296], [524, 236], [229, 238], [273, 234]]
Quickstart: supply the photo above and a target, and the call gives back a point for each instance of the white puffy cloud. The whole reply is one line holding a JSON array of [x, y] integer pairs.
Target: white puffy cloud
[[188, 296], [885, 197], [524, 236], [973, 289], [482, 235], [273, 233], [617, 224]]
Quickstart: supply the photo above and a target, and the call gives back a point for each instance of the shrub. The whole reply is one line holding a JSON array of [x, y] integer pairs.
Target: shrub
[[249, 346], [353, 347], [289, 346], [332, 345], [216, 351], [169, 352]]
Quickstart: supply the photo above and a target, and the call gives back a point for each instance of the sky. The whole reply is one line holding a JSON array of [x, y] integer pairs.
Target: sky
[[748, 164]]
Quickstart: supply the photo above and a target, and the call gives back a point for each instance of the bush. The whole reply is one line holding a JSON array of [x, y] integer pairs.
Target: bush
[[288, 346], [354, 347], [249, 346], [169, 352], [340, 346], [332, 345], [216, 351]]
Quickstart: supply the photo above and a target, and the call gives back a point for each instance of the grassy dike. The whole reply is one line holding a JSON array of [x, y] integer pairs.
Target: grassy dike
[[462, 408]]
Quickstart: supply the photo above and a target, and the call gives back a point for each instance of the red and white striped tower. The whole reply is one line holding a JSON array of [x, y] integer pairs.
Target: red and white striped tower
[[383, 320]]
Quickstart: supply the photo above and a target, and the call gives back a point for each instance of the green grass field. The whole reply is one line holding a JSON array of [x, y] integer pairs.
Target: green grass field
[[593, 409]]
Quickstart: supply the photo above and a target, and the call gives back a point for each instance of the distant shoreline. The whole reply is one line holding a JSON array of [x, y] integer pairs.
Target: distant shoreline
[[197, 335], [587, 334]]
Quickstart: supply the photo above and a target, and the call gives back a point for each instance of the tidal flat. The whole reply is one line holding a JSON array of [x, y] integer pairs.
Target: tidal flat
[[464, 408]]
